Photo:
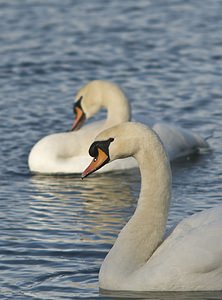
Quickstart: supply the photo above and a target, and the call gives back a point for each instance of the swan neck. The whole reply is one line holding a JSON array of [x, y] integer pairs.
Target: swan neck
[[155, 193], [118, 109], [144, 232], [155, 182]]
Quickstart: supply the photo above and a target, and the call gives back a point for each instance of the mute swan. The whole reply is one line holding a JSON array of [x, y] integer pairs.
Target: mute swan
[[67, 152], [190, 258]]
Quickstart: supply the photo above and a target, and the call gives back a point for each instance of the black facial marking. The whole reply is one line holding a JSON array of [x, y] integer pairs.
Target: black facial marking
[[103, 145], [77, 104]]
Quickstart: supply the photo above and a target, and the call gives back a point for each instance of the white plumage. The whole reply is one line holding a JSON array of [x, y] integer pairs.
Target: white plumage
[[190, 258], [68, 152]]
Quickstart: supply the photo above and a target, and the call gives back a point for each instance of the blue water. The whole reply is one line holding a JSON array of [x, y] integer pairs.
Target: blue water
[[167, 56]]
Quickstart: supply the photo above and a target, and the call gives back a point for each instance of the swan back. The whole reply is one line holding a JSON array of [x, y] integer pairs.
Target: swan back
[[179, 142]]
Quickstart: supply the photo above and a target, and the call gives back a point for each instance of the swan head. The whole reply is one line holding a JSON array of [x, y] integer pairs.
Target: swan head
[[87, 103], [117, 142], [95, 95]]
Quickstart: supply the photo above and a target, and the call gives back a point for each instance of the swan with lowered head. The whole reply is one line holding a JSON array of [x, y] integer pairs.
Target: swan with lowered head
[[67, 152], [190, 258]]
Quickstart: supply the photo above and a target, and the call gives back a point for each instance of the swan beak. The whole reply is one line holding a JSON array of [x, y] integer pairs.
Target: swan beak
[[97, 162], [79, 119]]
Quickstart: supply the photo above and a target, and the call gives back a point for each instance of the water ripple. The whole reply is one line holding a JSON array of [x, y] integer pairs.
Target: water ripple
[[166, 55]]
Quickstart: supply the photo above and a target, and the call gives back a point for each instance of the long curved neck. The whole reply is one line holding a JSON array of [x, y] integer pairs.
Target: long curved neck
[[118, 109], [143, 233]]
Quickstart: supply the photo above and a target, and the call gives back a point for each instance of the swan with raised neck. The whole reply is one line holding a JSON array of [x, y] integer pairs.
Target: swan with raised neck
[[190, 258]]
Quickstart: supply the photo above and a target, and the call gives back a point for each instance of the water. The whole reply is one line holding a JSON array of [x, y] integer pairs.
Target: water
[[167, 56]]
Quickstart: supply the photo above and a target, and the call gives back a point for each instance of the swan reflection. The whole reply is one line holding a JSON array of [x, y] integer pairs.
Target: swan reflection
[[99, 205]]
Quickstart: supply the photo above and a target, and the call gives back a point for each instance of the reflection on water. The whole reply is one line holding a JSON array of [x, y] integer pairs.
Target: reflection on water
[[90, 203], [99, 204], [76, 220]]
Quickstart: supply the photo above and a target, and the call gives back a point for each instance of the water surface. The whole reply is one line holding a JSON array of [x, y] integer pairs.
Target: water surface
[[167, 57]]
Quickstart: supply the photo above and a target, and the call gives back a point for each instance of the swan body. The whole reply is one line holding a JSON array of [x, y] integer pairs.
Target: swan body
[[190, 258], [68, 152]]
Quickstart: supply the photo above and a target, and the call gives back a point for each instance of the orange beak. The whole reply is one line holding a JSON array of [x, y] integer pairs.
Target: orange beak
[[79, 119], [96, 163]]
